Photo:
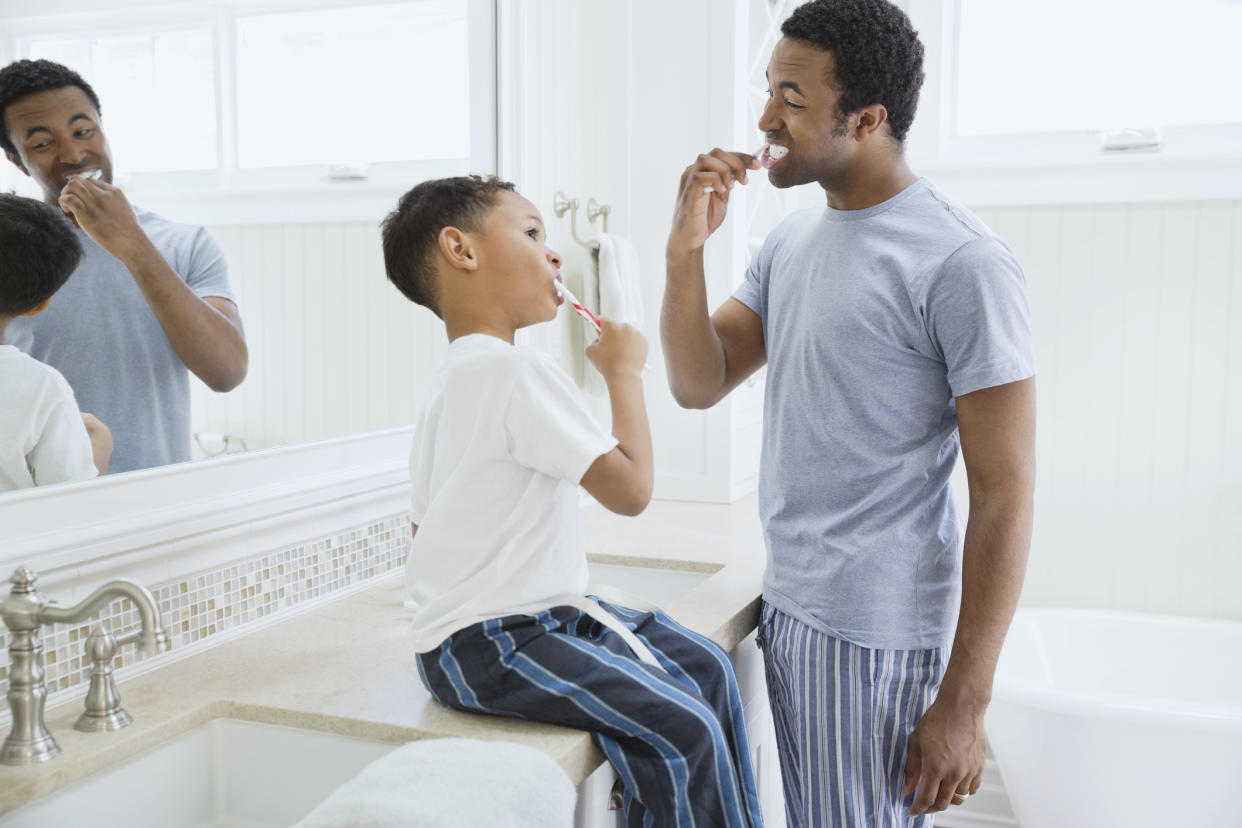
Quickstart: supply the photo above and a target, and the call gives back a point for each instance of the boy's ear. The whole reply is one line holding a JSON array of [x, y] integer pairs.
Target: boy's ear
[[458, 249], [38, 309], [17, 162]]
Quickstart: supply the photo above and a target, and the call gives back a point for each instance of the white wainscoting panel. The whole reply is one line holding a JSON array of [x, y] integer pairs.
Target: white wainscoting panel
[[334, 348], [1139, 494]]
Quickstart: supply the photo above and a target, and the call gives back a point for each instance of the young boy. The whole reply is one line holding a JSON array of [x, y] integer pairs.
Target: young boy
[[497, 572], [43, 437]]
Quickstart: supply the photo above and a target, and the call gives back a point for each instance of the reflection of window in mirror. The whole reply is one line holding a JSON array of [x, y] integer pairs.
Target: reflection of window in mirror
[[288, 132]]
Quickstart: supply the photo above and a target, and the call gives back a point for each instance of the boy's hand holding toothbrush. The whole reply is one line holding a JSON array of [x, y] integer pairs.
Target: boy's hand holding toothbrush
[[619, 352]]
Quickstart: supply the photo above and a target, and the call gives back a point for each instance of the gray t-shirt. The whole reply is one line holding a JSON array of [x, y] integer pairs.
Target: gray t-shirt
[[101, 334], [874, 320]]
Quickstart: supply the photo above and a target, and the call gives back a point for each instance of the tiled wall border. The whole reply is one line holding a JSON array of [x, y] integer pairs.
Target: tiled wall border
[[222, 598]]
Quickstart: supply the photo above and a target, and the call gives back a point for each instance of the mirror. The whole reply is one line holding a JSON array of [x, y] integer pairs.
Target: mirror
[[333, 348]]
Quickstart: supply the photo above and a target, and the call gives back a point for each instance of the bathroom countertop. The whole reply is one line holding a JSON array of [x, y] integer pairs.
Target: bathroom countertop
[[346, 667]]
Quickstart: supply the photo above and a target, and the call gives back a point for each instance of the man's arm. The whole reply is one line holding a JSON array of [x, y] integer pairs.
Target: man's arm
[[205, 333], [997, 428], [706, 357]]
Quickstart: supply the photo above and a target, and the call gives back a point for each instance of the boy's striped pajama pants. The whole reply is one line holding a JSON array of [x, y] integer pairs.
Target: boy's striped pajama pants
[[677, 739]]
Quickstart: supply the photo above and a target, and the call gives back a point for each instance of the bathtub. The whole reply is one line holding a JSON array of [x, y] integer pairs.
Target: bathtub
[[1119, 720]]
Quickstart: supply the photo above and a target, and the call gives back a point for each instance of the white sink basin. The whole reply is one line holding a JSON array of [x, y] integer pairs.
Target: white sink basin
[[224, 774]]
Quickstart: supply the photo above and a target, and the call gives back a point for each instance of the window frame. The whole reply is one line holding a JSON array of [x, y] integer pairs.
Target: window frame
[[230, 194], [1193, 163]]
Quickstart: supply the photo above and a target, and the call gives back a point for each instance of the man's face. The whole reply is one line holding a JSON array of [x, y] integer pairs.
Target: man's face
[[513, 247], [57, 133], [801, 114]]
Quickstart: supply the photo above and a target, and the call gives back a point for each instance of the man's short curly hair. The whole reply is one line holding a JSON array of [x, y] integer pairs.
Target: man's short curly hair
[[39, 250], [411, 232], [878, 56], [27, 77]]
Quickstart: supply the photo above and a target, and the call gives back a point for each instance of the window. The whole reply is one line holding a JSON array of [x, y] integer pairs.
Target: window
[[224, 111], [1040, 101], [1095, 65], [375, 84], [129, 71]]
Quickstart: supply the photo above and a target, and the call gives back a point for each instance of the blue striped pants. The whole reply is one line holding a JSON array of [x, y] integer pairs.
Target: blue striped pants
[[843, 716], [677, 739]]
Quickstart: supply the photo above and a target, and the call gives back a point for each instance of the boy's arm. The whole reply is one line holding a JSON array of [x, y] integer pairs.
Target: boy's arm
[[101, 441], [622, 479]]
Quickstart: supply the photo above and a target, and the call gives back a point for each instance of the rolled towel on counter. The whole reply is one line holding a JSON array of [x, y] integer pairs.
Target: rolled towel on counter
[[450, 783], [612, 287]]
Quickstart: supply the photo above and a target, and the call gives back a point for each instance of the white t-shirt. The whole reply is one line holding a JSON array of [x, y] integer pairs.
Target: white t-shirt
[[42, 437], [499, 450]]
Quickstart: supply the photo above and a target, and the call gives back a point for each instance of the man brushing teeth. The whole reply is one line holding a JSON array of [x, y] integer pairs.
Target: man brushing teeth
[[150, 301], [894, 326]]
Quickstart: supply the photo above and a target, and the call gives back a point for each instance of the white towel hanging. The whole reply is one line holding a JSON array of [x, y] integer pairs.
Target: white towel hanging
[[612, 287]]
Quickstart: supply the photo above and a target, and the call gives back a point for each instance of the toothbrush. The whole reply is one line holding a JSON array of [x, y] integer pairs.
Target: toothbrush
[[775, 153], [584, 313], [89, 175], [577, 306]]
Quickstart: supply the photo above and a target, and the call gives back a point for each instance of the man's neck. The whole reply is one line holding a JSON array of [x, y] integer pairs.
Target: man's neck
[[869, 184]]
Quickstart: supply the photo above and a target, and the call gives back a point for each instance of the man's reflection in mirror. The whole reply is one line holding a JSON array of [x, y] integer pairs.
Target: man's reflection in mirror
[[150, 300], [44, 438]]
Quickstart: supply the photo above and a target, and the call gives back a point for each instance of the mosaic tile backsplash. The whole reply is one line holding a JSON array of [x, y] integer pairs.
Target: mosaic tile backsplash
[[210, 602]]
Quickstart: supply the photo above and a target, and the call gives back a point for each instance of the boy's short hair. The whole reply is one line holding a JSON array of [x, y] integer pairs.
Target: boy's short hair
[[28, 77], [411, 232], [39, 250], [878, 56]]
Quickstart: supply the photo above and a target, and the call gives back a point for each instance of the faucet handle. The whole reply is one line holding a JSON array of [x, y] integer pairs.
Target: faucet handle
[[23, 580], [103, 702]]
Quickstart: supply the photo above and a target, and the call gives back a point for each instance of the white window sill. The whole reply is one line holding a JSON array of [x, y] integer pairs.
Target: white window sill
[[1141, 177]]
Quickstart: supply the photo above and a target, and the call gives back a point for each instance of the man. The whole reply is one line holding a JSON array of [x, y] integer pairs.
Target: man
[[894, 323], [150, 299]]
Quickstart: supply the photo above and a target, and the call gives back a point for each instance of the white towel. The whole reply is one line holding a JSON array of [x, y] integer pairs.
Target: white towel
[[612, 287], [451, 783]]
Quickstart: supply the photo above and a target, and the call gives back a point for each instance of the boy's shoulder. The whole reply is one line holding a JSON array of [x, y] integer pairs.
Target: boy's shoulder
[[24, 374], [482, 353]]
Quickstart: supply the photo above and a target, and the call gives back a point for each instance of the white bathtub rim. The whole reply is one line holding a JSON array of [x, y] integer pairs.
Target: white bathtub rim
[[1130, 615], [1130, 707], [1120, 707]]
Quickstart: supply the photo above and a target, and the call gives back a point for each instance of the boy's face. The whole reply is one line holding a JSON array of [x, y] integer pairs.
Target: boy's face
[[801, 114], [522, 269], [57, 133]]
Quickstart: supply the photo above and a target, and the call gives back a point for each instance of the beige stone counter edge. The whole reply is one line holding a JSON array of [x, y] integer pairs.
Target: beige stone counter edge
[[344, 668]]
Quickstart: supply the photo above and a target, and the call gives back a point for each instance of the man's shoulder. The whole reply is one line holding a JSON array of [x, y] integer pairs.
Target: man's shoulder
[[157, 226], [933, 213]]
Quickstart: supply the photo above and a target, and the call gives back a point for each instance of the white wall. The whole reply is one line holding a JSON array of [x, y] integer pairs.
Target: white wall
[[334, 348], [1139, 495]]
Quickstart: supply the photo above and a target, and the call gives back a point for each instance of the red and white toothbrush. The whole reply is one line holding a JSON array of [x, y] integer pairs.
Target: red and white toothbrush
[[577, 306]]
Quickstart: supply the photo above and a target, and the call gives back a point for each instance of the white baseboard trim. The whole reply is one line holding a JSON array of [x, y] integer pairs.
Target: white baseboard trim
[[988, 808]]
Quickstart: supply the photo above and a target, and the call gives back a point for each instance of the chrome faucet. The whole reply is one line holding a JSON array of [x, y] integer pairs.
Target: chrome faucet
[[24, 611]]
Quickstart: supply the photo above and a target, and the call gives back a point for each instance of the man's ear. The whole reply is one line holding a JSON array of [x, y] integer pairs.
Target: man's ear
[[17, 162], [458, 249], [870, 119], [39, 308]]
